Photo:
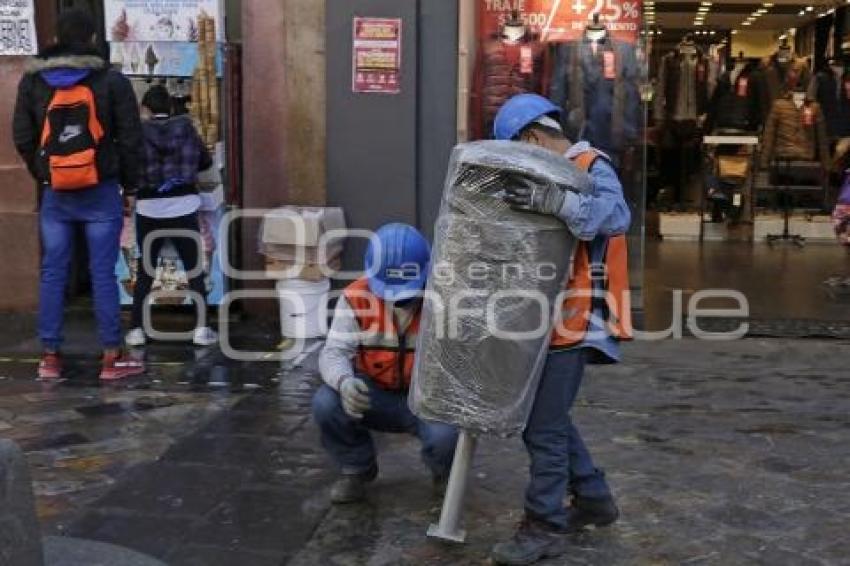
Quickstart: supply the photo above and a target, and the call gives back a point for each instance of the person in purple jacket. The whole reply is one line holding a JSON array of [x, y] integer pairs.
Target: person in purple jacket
[[168, 199]]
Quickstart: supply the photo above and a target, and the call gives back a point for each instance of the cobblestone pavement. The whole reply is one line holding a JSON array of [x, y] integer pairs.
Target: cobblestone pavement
[[719, 453]]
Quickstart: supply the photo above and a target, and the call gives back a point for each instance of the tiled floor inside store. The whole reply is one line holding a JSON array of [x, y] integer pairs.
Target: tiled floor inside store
[[780, 283]]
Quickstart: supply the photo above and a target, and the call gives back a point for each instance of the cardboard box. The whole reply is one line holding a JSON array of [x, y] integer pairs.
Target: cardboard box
[[300, 225], [277, 269], [304, 254], [295, 232]]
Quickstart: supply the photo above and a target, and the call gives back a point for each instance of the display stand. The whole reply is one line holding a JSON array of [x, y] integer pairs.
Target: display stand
[[786, 169], [712, 142]]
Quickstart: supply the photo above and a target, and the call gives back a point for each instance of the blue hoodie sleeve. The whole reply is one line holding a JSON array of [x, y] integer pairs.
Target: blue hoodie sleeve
[[603, 211]]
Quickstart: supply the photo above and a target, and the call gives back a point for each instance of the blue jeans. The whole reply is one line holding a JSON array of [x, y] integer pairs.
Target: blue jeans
[[349, 441], [560, 462], [99, 211]]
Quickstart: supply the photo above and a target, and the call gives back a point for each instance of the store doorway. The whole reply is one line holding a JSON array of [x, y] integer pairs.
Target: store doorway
[[748, 137]]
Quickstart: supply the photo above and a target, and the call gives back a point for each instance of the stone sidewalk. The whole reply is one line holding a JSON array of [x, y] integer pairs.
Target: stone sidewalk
[[719, 453]]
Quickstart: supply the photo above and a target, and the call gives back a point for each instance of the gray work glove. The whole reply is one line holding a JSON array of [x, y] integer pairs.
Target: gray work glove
[[355, 397], [527, 195]]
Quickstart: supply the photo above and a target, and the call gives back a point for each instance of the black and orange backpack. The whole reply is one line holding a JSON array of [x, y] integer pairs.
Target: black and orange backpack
[[70, 139]]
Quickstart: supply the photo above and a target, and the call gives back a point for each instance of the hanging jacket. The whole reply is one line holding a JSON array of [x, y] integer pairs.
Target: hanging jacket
[[795, 133], [384, 353], [599, 283], [503, 70], [174, 154], [598, 90], [119, 152], [780, 79], [736, 106], [682, 93], [832, 92]]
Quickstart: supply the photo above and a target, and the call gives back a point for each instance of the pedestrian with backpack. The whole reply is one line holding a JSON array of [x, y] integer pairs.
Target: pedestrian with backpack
[[168, 200], [77, 127]]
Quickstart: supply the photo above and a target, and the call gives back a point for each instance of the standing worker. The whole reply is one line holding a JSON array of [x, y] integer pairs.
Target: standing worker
[[367, 363], [596, 316], [78, 129]]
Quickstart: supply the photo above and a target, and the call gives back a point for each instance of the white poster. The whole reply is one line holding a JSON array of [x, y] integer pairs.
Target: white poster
[[17, 28], [160, 20]]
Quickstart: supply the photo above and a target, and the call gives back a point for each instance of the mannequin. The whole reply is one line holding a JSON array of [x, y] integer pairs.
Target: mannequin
[[595, 31], [739, 65], [514, 30], [595, 80], [510, 62], [795, 130], [680, 105], [735, 102], [831, 88], [783, 72], [783, 53]]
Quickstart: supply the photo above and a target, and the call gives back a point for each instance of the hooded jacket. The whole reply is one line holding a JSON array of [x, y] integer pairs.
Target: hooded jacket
[[118, 155], [173, 156]]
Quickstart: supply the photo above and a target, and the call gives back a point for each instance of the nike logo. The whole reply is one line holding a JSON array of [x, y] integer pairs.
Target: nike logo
[[69, 133]]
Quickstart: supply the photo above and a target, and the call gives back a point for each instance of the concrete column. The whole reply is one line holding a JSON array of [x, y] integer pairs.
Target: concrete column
[[18, 219], [283, 120]]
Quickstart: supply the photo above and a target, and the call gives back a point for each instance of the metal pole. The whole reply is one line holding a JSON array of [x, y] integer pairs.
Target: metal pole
[[448, 528]]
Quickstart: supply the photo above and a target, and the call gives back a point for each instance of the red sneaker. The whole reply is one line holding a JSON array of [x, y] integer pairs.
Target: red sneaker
[[118, 365], [50, 366]]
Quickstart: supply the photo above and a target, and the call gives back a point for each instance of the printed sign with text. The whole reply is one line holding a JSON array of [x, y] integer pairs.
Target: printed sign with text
[[17, 28], [377, 55], [562, 20]]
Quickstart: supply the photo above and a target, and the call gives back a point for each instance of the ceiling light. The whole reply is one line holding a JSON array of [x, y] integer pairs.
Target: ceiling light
[[768, 4], [810, 8], [803, 12], [746, 23], [705, 3], [734, 32], [763, 11]]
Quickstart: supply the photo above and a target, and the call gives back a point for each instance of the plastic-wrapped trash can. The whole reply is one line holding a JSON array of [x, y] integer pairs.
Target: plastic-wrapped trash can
[[303, 308], [495, 280]]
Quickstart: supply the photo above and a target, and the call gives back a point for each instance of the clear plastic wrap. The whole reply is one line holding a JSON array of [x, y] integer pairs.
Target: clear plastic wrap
[[494, 271]]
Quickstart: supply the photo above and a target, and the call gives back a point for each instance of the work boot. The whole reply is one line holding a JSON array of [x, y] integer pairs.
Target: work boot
[[533, 541], [587, 511], [351, 488]]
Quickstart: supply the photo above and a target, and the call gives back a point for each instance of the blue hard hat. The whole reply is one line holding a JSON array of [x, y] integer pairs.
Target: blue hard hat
[[397, 262], [520, 111]]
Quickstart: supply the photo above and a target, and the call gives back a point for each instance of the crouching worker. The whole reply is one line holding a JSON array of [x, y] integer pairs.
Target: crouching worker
[[595, 317], [367, 362]]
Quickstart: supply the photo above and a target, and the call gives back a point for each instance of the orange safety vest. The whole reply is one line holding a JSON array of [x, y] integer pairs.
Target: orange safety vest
[[385, 354], [612, 278]]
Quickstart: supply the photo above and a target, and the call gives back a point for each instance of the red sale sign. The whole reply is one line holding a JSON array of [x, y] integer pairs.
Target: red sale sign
[[562, 20]]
